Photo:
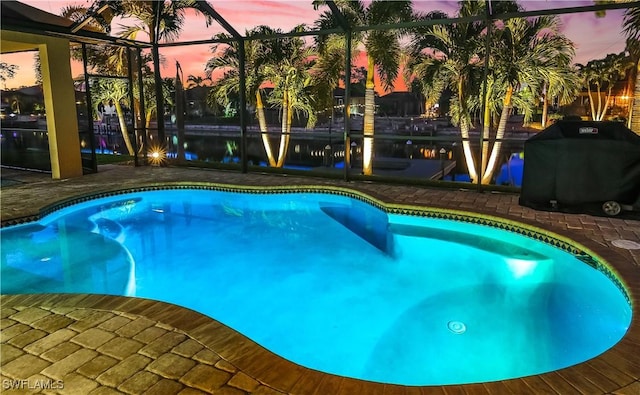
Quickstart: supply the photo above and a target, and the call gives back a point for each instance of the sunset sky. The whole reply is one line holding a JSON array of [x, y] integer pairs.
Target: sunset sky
[[594, 37]]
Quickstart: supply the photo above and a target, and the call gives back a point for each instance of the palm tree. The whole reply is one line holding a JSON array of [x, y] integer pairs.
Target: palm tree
[[7, 72], [382, 48], [292, 82], [632, 31], [258, 54], [526, 51], [446, 56], [329, 66], [116, 91], [106, 60], [163, 23], [603, 74], [327, 76], [149, 93], [194, 81], [562, 84], [158, 20], [16, 103], [180, 102], [589, 74], [450, 56]]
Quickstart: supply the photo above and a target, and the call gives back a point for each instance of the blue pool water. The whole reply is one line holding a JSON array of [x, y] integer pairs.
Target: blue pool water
[[332, 283]]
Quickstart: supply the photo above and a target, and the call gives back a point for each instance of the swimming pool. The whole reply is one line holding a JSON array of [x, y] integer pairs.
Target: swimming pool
[[336, 283]]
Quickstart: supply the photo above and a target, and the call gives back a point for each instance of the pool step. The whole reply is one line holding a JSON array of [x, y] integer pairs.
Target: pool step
[[370, 225], [488, 244]]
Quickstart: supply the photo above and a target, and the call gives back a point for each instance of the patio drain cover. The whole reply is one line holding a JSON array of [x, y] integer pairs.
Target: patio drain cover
[[626, 244]]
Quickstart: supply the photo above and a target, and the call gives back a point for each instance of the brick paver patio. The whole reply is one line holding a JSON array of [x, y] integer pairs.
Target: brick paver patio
[[91, 351]]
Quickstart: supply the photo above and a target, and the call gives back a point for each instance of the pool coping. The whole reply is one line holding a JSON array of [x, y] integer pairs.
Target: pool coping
[[614, 369]]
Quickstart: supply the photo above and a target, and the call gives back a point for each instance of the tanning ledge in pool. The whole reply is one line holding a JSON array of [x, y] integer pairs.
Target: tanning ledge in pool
[[488, 244]]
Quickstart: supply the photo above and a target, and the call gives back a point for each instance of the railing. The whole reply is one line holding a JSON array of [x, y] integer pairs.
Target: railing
[[431, 154], [410, 155]]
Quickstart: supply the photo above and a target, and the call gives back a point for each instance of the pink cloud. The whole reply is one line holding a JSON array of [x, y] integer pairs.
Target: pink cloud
[[192, 59], [594, 37]]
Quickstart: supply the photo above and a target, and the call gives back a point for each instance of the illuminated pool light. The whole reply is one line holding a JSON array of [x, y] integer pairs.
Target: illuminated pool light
[[457, 327], [521, 267]]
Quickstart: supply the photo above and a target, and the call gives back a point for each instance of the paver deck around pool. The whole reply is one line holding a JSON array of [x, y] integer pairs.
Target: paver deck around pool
[[94, 344]]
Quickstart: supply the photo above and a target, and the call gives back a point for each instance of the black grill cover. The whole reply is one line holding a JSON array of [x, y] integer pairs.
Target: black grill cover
[[579, 162]]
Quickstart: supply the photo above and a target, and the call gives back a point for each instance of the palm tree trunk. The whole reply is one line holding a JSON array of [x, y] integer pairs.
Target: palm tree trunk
[[545, 111], [262, 122], [599, 103], [593, 107], [284, 130], [629, 88], [180, 107], [464, 133], [288, 134], [486, 126], [502, 126], [15, 106], [162, 141], [634, 115], [545, 105], [369, 116], [136, 114], [606, 103], [149, 114], [466, 149], [123, 128]]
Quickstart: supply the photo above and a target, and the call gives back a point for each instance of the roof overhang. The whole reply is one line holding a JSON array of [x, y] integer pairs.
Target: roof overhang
[[20, 17]]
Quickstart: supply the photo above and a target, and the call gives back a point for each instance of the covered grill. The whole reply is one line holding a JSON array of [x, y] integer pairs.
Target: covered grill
[[581, 165]]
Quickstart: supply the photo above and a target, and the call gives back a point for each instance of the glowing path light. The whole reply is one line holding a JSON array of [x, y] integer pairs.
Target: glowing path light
[[157, 155]]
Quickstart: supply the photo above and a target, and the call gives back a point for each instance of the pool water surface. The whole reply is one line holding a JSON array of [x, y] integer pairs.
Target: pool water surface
[[331, 282]]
